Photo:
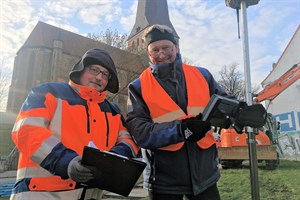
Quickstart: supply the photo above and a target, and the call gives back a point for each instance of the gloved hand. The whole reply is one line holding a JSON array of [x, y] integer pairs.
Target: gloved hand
[[82, 173], [254, 116], [194, 129]]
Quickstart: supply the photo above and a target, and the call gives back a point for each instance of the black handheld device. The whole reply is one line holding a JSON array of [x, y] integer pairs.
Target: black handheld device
[[219, 110]]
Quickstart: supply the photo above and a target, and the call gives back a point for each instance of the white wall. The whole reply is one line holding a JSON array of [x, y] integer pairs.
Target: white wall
[[286, 106]]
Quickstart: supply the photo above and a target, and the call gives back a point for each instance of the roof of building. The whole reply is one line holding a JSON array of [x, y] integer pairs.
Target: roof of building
[[151, 12], [74, 44], [283, 53]]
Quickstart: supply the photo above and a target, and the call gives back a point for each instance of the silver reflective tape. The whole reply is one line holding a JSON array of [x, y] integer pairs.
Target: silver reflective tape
[[124, 134], [170, 116], [30, 172], [33, 121], [55, 124], [194, 110], [45, 149]]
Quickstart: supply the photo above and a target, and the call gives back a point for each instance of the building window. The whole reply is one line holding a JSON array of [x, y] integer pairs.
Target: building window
[[138, 29]]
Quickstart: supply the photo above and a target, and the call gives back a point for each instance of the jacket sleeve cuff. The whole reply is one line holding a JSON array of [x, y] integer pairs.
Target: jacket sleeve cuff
[[58, 160], [122, 149]]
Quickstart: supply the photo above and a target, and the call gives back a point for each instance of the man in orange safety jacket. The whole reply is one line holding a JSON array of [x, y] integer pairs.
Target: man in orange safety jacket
[[164, 116], [57, 120]]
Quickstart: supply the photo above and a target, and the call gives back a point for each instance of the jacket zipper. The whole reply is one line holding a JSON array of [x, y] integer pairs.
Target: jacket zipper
[[88, 119], [107, 129]]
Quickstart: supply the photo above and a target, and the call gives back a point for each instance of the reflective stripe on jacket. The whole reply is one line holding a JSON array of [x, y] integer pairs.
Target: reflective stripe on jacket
[[167, 110], [55, 122]]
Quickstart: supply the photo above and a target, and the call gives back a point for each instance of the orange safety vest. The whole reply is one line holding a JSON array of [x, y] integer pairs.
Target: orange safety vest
[[163, 109]]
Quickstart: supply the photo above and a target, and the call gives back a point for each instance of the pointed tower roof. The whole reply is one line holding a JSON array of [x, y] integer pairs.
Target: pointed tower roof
[[151, 12]]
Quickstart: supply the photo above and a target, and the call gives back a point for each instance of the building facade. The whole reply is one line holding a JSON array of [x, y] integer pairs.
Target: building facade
[[48, 55], [286, 106]]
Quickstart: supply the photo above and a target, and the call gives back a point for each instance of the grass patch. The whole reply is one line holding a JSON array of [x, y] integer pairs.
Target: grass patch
[[280, 184]]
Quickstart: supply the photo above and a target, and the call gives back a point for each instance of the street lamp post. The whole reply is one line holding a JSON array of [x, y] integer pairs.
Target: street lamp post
[[243, 4]]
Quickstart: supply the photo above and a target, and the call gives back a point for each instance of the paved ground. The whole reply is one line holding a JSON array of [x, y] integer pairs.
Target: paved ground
[[136, 194]]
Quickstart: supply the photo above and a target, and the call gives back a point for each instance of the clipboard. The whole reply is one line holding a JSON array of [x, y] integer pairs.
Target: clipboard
[[119, 173], [219, 109]]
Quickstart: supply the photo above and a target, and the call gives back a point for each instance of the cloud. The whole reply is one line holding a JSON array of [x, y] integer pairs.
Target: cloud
[[128, 19], [208, 34], [63, 9], [16, 25], [100, 13]]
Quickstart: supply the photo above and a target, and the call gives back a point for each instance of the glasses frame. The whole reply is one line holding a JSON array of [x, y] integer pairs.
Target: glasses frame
[[166, 49], [96, 71]]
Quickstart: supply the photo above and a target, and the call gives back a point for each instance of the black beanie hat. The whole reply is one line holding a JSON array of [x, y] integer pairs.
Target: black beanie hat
[[100, 57], [157, 34]]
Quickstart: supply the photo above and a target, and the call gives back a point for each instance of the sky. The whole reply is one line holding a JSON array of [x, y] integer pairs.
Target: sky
[[207, 29]]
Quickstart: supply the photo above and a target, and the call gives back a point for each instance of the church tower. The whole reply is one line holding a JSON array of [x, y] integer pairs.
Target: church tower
[[149, 12]]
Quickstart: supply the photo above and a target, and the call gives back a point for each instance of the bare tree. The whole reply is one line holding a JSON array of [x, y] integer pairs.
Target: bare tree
[[232, 81], [5, 75], [112, 38], [131, 75]]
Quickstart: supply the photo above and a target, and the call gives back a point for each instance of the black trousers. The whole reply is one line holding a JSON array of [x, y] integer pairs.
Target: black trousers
[[211, 193]]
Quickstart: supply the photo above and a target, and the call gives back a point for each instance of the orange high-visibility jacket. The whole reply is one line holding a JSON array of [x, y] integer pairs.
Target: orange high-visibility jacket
[[163, 109], [55, 122]]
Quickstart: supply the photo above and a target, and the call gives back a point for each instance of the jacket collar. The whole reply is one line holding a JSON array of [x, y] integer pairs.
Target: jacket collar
[[88, 93], [166, 70]]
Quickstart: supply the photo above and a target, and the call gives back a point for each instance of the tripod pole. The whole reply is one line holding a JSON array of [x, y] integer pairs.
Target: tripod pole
[[250, 131]]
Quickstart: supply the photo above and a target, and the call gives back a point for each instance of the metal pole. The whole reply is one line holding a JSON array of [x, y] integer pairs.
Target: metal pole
[[250, 131]]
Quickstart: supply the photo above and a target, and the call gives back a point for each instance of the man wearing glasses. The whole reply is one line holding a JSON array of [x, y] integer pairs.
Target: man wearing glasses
[[57, 120], [164, 117]]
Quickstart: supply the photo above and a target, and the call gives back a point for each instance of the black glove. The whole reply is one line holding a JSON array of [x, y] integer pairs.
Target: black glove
[[82, 173], [254, 116], [194, 129]]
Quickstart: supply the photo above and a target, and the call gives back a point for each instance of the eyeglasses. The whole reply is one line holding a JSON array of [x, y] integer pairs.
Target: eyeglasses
[[166, 49], [96, 71]]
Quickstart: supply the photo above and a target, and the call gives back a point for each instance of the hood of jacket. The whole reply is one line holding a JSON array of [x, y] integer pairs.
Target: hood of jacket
[[100, 57]]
